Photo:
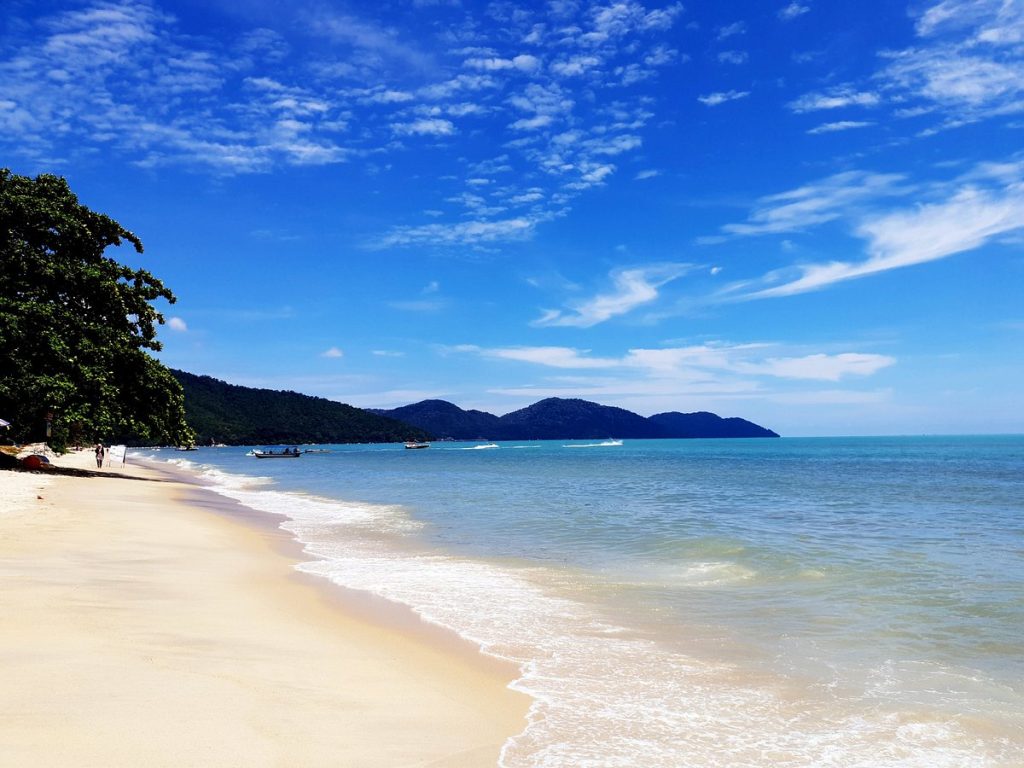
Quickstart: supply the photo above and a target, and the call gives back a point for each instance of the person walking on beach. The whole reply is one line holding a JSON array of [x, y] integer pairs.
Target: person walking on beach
[[100, 453]]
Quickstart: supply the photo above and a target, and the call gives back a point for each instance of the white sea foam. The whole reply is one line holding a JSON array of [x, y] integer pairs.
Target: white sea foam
[[605, 695]]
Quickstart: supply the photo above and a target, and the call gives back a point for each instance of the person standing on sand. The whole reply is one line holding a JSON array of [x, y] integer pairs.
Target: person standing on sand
[[100, 453]]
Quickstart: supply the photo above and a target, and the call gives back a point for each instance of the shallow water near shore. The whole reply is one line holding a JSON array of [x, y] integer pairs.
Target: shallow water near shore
[[792, 602]]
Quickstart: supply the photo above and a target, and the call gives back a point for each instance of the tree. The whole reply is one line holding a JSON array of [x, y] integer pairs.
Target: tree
[[75, 325]]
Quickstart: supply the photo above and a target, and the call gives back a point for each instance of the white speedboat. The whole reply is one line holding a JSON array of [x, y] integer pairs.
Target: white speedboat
[[287, 453]]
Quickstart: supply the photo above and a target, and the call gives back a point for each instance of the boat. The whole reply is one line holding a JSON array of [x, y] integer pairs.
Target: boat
[[414, 445], [287, 453], [186, 448]]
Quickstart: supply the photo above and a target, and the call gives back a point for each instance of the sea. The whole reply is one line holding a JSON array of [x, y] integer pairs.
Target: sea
[[764, 602]]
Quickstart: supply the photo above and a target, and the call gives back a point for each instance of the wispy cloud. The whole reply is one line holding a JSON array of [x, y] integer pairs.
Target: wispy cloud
[[818, 202], [177, 324], [967, 64], [551, 357], [731, 30], [461, 233], [128, 79], [982, 205], [425, 127], [840, 125], [793, 10], [721, 97], [696, 363], [733, 57], [332, 352], [835, 98], [633, 288]]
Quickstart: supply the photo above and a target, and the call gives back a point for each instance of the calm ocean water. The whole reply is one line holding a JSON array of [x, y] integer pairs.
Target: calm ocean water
[[792, 602]]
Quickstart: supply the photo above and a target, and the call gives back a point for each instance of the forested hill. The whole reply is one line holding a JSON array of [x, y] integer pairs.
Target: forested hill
[[226, 413], [566, 419]]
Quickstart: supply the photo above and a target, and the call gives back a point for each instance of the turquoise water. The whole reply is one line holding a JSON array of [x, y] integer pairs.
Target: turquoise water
[[792, 602]]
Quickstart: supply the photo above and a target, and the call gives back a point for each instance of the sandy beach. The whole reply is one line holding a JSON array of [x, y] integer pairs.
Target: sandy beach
[[143, 628]]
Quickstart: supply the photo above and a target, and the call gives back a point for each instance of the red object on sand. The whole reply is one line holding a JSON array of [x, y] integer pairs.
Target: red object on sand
[[35, 461]]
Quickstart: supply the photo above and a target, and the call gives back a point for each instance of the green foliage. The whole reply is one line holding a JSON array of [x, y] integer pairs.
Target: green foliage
[[227, 413], [75, 325]]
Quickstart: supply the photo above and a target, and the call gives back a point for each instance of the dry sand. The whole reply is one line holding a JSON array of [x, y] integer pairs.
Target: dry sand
[[139, 629]]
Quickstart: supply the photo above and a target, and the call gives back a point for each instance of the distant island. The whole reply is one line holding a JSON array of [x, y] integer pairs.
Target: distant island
[[567, 419], [227, 413]]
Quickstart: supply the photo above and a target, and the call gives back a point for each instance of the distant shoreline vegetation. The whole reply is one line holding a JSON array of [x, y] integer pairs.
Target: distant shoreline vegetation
[[236, 415]]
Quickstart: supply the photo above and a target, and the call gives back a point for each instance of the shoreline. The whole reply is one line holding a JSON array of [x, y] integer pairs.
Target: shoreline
[[159, 623], [357, 603]]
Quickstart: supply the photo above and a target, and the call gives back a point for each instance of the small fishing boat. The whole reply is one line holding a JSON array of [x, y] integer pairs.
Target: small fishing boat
[[414, 445], [287, 453]]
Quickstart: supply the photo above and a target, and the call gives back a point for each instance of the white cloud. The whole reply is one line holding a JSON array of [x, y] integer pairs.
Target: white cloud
[[333, 352], [424, 127], [646, 174], [522, 63], [575, 66], [817, 203], [382, 42], [529, 196], [633, 288], [958, 79], [820, 367], [700, 362], [731, 30], [389, 96], [463, 233], [458, 84], [551, 99], [841, 125], [965, 66], [525, 62], [793, 10], [532, 123], [552, 357], [835, 99], [968, 219], [714, 99], [148, 91], [733, 57], [177, 324]]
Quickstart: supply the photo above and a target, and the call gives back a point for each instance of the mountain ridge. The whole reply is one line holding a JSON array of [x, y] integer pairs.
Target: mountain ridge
[[557, 418], [230, 413]]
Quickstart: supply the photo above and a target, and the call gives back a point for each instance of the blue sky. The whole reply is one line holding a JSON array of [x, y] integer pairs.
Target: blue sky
[[807, 214]]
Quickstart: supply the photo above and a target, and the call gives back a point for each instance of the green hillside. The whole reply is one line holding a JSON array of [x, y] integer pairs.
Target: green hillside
[[226, 413]]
